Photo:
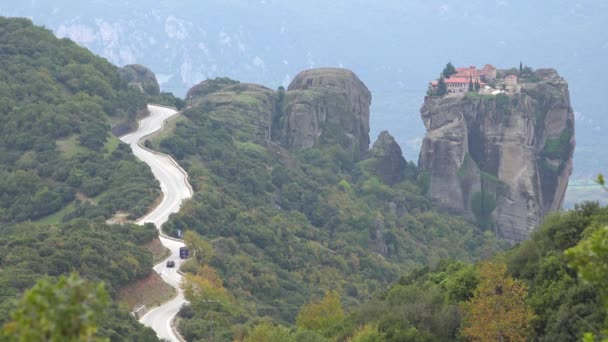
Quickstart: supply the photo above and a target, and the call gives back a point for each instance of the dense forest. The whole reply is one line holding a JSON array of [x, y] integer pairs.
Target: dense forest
[[550, 288], [58, 105], [63, 173], [99, 252]]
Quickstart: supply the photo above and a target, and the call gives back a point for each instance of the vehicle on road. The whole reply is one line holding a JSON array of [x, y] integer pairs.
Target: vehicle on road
[[170, 263], [183, 253]]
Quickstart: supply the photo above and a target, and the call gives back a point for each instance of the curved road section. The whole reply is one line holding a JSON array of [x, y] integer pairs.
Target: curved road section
[[174, 185]]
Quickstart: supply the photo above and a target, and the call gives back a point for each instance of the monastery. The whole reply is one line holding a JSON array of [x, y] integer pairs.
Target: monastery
[[459, 82]]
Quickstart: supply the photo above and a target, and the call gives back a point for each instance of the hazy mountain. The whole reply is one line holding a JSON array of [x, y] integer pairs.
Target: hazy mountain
[[394, 47]]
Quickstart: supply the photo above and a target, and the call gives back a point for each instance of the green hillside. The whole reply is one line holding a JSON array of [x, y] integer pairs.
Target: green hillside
[[428, 304], [285, 227], [63, 173], [58, 105]]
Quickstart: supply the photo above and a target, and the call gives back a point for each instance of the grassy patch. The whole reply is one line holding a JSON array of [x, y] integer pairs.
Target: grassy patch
[[56, 217], [167, 130], [159, 252], [150, 291], [248, 99], [111, 144], [70, 147]]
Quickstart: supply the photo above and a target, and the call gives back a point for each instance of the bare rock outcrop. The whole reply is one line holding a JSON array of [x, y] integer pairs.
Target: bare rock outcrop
[[245, 108], [326, 105], [387, 159], [141, 77], [505, 159]]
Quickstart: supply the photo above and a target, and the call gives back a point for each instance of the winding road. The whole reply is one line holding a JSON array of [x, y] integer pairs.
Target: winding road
[[175, 187]]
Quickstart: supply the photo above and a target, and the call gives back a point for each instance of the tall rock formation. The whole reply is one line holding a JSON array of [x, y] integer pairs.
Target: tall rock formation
[[503, 159], [387, 159], [321, 107], [141, 77], [327, 105]]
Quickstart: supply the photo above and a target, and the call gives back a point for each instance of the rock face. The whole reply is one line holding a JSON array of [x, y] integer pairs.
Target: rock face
[[321, 106], [245, 108], [504, 160], [141, 77], [389, 163], [209, 86], [327, 105]]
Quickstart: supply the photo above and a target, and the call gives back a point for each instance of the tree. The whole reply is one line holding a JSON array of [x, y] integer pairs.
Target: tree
[[322, 315], [367, 333], [590, 259], [449, 70], [471, 84], [202, 287], [266, 332], [67, 309], [442, 88], [590, 256], [203, 251], [521, 68], [497, 311]]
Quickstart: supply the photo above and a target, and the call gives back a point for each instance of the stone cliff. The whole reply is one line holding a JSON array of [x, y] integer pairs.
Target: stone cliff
[[325, 105], [387, 159], [141, 77], [321, 106], [245, 108], [502, 159]]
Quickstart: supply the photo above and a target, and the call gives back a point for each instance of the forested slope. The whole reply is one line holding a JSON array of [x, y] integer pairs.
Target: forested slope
[[429, 304], [63, 173], [58, 104]]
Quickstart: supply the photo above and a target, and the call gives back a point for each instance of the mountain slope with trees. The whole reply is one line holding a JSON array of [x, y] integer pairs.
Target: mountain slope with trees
[[282, 227], [63, 174], [58, 105], [541, 290]]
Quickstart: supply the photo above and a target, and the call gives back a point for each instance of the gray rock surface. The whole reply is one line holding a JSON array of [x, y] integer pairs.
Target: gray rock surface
[[504, 160], [388, 162], [326, 105], [321, 106], [246, 108], [141, 77]]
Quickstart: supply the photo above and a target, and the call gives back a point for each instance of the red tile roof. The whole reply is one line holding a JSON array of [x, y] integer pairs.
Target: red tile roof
[[455, 79]]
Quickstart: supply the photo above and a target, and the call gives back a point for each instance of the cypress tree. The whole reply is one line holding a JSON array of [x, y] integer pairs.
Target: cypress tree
[[442, 88]]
